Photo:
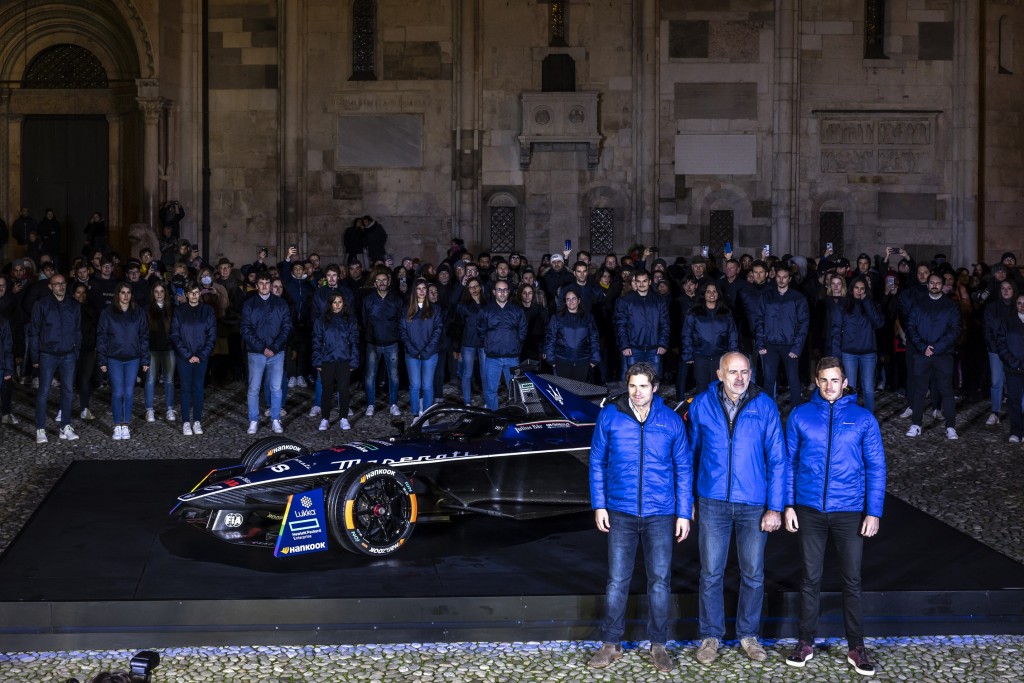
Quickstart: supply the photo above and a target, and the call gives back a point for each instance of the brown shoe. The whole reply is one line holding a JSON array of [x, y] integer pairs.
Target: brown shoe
[[660, 658], [608, 653], [708, 650], [753, 649]]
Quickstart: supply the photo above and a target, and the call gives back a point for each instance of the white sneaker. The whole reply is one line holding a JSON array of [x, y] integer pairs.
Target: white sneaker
[[909, 412], [171, 415], [951, 434], [9, 419], [276, 427], [350, 412], [291, 382], [314, 412], [914, 430], [87, 414], [60, 414], [395, 412], [150, 415], [41, 436], [369, 411], [1014, 439], [343, 424], [324, 424], [266, 413], [197, 428], [67, 433], [35, 382], [937, 414], [117, 433], [125, 433], [300, 381], [253, 426], [993, 419], [186, 429], [54, 382], [283, 413]]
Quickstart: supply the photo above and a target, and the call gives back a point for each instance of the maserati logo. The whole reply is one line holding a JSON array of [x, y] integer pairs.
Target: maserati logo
[[306, 501], [233, 520], [555, 394]]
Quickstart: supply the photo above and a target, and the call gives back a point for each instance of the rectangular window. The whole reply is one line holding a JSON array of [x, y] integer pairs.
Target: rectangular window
[[720, 230], [830, 229], [874, 29], [602, 231], [503, 229]]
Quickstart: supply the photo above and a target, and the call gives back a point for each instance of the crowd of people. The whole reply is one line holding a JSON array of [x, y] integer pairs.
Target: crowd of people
[[923, 329]]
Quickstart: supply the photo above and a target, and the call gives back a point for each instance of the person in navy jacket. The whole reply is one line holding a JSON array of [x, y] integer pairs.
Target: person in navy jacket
[[54, 340], [122, 344], [502, 326], [266, 324], [642, 323], [933, 325], [335, 355], [641, 491], [193, 335], [571, 344], [740, 460], [835, 486], [420, 330], [855, 323], [782, 325], [709, 331]]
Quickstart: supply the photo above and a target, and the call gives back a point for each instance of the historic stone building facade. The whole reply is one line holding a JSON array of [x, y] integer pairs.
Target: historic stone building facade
[[522, 123]]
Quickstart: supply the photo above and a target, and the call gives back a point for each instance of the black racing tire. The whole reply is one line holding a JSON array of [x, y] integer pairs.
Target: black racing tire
[[371, 510], [270, 450]]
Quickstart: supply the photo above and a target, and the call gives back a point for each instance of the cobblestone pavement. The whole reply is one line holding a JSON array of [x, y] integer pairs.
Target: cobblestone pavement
[[973, 484]]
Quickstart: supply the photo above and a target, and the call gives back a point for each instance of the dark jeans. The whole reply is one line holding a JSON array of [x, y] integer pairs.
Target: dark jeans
[[193, 388], [815, 528], [1014, 394], [336, 380], [704, 369], [935, 371], [779, 353], [84, 372], [50, 364], [578, 370], [627, 532]]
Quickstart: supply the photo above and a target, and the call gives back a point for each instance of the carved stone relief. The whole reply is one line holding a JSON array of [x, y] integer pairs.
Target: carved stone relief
[[897, 145]]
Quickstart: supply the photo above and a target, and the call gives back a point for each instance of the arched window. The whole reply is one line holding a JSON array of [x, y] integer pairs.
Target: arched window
[[364, 40], [503, 210], [1005, 45], [65, 66]]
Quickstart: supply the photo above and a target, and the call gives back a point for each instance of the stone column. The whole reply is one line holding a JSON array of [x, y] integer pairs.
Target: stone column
[[964, 206], [785, 127], [151, 110], [12, 174], [466, 199], [291, 223], [6, 207], [647, 99], [115, 197]]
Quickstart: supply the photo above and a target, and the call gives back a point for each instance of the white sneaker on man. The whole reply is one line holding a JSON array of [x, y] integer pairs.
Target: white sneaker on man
[[350, 412], [253, 426], [87, 414], [1014, 439], [993, 419], [67, 433], [60, 414], [915, 430], [41, 436], [197, 428], [291, 382], [117, 433], [186, 428], [369, 411], [314, 412], [171, 415], [276, 427], [343, 424], [395, 412], [951, 434], [300, 381], [909, 412], [150, 415], [324, 424], [9, 419]]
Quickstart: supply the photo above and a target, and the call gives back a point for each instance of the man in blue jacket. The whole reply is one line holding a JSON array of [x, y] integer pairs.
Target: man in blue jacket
[[642, 324], [54, 340], [503, 328], [266, 324], [782, 324], [835, 485], [382, 312], [740, 462], [933, 325], [641, 492]]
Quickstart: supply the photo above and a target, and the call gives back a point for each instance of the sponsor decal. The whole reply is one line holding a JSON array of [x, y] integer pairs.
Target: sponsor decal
[[301, 463], [556, 394], [233, 520], [301, 528], [284, 447], [279, 468], [231, 482]]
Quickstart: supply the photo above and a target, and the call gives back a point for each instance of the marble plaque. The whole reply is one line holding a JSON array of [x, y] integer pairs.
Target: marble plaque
[[716, 155], [380, 141]]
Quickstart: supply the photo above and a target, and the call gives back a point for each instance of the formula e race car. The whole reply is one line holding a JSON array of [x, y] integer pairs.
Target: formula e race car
[[526, 460]]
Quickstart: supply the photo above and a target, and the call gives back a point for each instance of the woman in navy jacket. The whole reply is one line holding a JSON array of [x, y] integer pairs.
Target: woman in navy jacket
[[193, 335], [709, 332], [854, 326], [420, 329], [1010, 343], [467, 342], [122, 344], [572, 345], [335, 355]]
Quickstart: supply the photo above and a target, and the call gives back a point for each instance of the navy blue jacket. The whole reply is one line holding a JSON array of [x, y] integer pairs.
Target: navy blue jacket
[[301, 293], [933, 322], [641, 469], [6, 350], [422, 336], [502, 329], [994, 317], [641, 322], [591, 295], [783, 320], [321, 295], [122, 335], [708, 333], [336, 341], [743, 462], [572, 337], [836, 462], [55, 327], [467, 319], [853, 331], [265, 324], [381, 316], [193, 331], [1010, 344]]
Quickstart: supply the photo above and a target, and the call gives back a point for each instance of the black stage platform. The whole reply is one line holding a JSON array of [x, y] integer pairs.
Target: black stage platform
[[100, 566]]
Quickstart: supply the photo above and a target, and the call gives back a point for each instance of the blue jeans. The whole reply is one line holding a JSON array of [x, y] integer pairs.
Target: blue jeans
[[626, 532], [160, 360], [49, 364], [421, 379], [193, 387], [284, 389], [469, 355], [717, 520], [862, 365], [390, 354], [651, 357], [273, 367], [122, 375], [995, 364], [494, 368]]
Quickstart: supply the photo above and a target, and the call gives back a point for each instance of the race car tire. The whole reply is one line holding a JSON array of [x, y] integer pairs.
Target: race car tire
[[371, 510], [270, 450]]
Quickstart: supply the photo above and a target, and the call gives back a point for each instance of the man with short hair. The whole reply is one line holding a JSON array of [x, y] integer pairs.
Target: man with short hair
[[782, 325], [382, 313], [266, 324], [740, 463], [642, 324], [933, 325], [590, 294], [641, 492], [553, 279], [835, 486], [54, 339], [503, 330]]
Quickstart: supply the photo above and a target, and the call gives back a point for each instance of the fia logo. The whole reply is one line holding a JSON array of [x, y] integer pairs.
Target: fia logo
[[233, 520]]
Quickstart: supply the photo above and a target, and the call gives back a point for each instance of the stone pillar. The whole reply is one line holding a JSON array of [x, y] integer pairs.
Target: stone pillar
[[466, 199], [151, 110], [785, 128], [964, 207], [115, 197], [646, 101], [291, 223], [12, 174]]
